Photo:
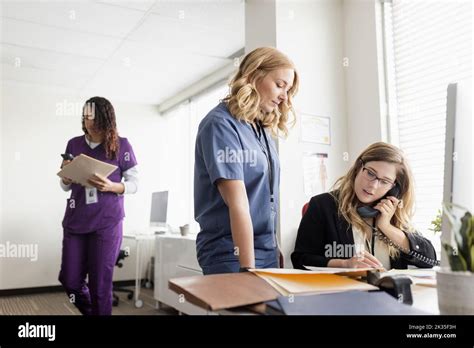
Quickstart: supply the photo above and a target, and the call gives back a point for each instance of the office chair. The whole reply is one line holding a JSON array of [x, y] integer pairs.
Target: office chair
[[305, 208], [122, 255]]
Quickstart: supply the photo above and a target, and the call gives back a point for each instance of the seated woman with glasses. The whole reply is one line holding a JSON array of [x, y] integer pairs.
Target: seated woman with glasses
[[366, 220]]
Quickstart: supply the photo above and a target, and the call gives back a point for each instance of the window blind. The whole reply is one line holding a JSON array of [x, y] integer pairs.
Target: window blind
[[430, 43]]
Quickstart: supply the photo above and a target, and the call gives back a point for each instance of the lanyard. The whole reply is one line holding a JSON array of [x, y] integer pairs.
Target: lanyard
[[267, 153], [372, 245]]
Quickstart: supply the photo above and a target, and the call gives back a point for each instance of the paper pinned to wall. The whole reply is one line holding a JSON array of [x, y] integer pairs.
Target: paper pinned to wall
[[314, 173], [315, 129]]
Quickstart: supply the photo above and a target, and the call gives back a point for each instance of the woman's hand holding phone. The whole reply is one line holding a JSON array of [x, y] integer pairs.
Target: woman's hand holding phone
[[66, 181], [387, 208]]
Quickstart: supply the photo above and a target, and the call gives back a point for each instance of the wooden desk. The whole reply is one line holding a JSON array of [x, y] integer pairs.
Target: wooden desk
[[424, 297]]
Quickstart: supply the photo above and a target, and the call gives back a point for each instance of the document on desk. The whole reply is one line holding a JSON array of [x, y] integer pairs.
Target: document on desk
[[83, 167], [349, 272], [290, 281], [423, 276]]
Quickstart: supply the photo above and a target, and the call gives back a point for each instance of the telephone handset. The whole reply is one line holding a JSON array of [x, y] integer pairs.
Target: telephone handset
[[367, 211]]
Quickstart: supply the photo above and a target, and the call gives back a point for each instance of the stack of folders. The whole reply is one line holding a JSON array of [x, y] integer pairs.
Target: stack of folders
[[328, 291], [290, 291], [295, 282]]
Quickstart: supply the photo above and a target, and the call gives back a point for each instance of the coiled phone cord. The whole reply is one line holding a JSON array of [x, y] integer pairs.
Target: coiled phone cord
[[381, 236]]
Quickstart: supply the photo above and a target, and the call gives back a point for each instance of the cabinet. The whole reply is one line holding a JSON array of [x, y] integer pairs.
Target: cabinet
[[175, 256]]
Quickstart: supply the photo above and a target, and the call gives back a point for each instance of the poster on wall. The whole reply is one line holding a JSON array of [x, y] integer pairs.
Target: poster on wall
[[315, 173], [315, 129]]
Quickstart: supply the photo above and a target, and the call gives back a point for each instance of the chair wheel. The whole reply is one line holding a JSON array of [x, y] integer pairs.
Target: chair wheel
[[130, 296], [139, 303], [115, 303]]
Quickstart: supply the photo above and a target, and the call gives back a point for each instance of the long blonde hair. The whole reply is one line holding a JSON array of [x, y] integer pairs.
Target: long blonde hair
[[243, 99], [347, 200]]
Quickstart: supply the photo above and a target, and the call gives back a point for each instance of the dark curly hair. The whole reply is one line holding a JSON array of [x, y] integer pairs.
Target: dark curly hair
[[104, 121]]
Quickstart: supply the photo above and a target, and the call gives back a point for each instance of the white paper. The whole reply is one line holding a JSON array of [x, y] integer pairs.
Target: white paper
[[310, 174], [312, 270], [335, 270], [314, 173], [315, 129]]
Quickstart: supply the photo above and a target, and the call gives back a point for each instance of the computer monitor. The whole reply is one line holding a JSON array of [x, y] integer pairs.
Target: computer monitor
[[159, 209], [458, 162]]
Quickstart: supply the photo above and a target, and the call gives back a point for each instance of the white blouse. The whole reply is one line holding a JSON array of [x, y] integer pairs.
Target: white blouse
[[381, 249]]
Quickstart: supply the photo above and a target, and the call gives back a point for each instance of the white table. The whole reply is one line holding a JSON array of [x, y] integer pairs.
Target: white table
[[425, 298], [138, 238]]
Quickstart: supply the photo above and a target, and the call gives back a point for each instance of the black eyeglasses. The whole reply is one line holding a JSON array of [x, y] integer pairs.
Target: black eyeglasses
[[371, 176]]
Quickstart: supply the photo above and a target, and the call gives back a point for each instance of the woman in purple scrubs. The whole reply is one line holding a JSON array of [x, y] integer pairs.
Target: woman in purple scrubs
[[93, 219]]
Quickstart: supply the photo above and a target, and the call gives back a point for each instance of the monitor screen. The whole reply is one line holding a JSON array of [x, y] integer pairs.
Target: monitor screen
[[159, 208], [458, 167], [458, 170]]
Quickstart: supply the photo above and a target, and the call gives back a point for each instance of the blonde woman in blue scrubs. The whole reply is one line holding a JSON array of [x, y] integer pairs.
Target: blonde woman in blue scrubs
[[237, 171]]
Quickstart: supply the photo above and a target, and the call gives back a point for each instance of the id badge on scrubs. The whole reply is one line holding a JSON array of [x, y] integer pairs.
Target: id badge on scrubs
[[273, 218], [91, 195]]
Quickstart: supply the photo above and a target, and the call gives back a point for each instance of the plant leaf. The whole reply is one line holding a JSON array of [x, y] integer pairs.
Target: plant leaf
[[465, 248], [456, 261], [472, 258]]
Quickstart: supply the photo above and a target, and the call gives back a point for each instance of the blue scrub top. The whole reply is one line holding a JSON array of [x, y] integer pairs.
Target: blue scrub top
[[229, 149]]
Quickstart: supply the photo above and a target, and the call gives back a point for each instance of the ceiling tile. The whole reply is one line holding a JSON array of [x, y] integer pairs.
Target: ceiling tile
[[139, 5], [47, 60], [178, 43], [66, 41], [170, 33], [36, 76], [217, 14], [82, 16]]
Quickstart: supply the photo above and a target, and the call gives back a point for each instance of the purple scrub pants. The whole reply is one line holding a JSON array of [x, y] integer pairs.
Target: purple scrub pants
[[93, 255]]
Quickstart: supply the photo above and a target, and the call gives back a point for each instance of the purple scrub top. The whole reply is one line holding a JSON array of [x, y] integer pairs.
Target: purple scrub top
[[109, 210]]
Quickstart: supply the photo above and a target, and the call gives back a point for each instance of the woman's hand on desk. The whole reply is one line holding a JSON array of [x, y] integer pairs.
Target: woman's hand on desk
[[362, 260], [105, 185]]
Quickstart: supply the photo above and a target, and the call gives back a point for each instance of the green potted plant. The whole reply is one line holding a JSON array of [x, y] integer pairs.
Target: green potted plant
[[456, 283], [436, 223]]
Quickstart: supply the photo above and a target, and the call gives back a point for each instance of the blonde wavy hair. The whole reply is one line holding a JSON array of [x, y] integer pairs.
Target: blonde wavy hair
[[344, 192], [243, 99]]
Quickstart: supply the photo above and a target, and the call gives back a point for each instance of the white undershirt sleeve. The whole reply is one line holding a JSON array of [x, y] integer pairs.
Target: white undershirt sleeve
[[130, 180]]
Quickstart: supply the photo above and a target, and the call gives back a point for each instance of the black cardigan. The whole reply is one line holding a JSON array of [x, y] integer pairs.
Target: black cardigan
[[321, 226]]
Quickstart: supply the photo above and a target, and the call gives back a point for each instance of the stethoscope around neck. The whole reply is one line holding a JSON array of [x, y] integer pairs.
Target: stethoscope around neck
[[267, 152]]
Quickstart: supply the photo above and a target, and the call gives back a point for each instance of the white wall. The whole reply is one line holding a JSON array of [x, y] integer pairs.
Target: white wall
[[337, 50], [312, 34], [32, 138], [260, 24], [363, 82]]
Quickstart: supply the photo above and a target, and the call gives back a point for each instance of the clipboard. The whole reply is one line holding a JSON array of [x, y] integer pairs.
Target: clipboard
[[83, 167]]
